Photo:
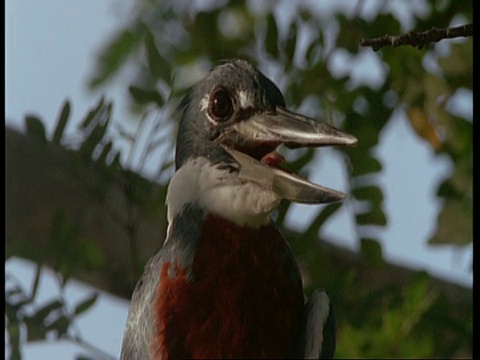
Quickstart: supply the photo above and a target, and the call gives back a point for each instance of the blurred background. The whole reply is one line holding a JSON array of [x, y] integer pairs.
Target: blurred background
[[91, 91]]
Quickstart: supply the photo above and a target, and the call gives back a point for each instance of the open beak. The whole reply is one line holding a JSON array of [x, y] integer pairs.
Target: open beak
[[252, 142], [289, 128]]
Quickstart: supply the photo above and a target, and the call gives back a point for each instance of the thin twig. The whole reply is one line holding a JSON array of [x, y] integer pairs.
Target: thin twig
[[418, 39]]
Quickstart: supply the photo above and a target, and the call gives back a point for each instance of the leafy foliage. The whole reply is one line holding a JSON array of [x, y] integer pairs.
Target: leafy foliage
[[42, 321], [68, 251], [407, 318]]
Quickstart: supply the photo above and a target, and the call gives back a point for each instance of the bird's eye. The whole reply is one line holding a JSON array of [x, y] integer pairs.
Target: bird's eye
[[221, 105]]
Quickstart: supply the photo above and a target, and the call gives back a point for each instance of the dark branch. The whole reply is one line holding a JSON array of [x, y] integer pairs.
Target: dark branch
[[418, 39]]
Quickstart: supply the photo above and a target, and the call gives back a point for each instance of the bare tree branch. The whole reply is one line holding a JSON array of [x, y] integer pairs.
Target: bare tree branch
[[418, 39]]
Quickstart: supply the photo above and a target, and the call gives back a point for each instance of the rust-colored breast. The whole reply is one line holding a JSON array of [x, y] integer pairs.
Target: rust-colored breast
[[242, 299]]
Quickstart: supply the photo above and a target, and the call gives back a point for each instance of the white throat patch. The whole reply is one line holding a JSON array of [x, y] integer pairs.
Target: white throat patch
[[219, 191]]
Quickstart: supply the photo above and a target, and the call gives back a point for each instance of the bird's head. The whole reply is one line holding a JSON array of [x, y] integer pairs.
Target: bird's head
[[232, 122]]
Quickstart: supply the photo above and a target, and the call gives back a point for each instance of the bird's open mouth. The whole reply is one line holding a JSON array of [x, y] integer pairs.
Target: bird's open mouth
[[253, 143], [272, 159], [264, 152]]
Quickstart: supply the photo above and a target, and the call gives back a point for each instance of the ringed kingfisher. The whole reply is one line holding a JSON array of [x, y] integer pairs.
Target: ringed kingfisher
[[225, 283]]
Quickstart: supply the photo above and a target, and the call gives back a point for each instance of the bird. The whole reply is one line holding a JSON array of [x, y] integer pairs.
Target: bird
[[225, 283]]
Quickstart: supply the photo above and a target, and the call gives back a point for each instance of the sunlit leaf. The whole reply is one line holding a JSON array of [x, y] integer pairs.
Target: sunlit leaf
[[423, 127]]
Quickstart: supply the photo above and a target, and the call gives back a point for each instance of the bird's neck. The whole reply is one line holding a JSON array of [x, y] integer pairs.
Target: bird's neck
[[196, 232], [217, 188]]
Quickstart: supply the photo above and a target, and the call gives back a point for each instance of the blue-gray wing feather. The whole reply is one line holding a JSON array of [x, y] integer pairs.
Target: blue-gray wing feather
[[317, 339]]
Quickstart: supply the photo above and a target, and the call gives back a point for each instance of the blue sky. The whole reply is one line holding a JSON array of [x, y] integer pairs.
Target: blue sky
[[50, 49]]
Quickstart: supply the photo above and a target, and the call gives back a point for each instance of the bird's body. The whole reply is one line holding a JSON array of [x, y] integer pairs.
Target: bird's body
[[243, 305], [225, 284]]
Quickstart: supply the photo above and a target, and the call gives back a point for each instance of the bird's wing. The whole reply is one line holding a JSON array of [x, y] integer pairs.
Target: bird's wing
[[179, 246], [139, 328], [317, 340]]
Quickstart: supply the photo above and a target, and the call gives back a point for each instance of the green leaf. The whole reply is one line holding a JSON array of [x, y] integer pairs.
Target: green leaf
[[107, 148], [368, 193], [423, 127], [460, 184], [290, 46], [48, 308], [314, 51], [61, 123], [86, 304], [14, 337], [371, 251], [320, 219], [35, 128], [115, 164], [60, 325], [462, 178], [271, 39], [36, 330], [117, 52], [157, 64], [417, 289], [98, 132], [85, 124], [36, 280], [458, 64], [363, 164], [282, 211], [63, 238], [143, 96], [373, 217], [455, 224], [91, 256]]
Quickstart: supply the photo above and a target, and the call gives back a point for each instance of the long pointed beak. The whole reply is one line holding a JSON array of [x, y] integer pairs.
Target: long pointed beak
[[249, 140], [286, 127], [287, 186]]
